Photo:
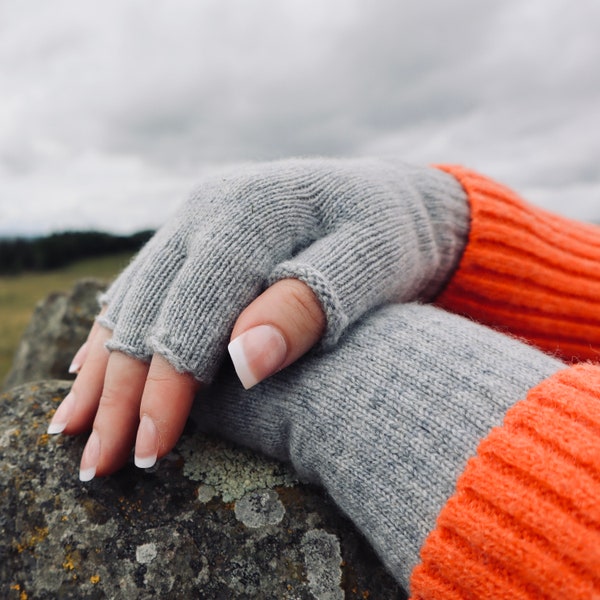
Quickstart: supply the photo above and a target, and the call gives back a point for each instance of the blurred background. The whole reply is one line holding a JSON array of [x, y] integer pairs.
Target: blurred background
[[110, 110]]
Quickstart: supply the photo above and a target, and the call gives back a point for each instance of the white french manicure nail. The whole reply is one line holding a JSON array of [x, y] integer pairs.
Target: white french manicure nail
[[146, 445], [90, 458], [77, 359], [62, 415], [257, 353]]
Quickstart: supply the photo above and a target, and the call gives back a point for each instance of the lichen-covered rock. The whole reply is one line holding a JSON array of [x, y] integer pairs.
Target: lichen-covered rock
[[59, 325], [209, 521]]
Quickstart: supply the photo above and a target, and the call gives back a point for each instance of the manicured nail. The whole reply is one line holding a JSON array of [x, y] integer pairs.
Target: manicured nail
[[78, 359], [257, 353], [90, 458], [62, 415], [146, 444]]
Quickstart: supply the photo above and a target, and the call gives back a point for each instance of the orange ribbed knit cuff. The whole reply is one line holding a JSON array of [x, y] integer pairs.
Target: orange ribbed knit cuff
[[527, 271], [525, 519]]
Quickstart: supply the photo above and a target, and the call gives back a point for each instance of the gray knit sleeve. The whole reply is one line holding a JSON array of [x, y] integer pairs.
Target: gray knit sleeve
[[360, 233], [387, 420]]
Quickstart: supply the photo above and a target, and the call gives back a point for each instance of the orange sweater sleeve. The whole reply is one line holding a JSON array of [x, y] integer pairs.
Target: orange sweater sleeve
[[524, 521], [527, 272]]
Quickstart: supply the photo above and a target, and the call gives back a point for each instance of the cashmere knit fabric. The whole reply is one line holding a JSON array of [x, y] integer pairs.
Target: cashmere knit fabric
[[527, 271], [524, 522], [387, 421], [403, 228]]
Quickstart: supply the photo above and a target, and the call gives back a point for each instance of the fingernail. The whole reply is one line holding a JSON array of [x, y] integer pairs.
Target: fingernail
[[90, 458], [62, 415], [257, 353], [78, 359], [146, 444]]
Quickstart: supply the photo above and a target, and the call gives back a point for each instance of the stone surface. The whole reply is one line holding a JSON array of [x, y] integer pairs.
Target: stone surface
[[166, 532], [211, 520], [58, 327]]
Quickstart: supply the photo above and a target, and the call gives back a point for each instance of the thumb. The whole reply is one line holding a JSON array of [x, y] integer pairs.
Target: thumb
[[276, 329]]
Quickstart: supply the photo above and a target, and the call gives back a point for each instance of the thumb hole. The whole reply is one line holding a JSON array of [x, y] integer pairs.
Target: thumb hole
[[281, 325]]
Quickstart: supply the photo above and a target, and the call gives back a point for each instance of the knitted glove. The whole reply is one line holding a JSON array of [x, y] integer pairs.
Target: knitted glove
[[387, 422], [528, 271], [359, 232]]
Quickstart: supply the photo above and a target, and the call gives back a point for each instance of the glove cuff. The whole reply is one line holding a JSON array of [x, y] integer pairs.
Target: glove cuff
[[527, 271], [524, 521], [419, 221]]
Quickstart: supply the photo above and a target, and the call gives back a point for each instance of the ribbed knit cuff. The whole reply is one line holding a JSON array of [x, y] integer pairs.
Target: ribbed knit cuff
[[525, 519], [527, 271]]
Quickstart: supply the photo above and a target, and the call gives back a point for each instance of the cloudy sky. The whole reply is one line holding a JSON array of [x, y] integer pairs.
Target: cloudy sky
[[109, 111]]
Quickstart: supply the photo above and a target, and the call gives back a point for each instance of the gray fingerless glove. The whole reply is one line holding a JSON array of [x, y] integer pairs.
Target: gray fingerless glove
[[360, 233], [387, 420]]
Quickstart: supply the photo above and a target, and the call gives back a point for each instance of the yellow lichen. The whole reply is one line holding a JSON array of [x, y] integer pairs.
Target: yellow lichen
[[95, 579], [43, 439], [72, 558], [68, 564], [17, 588], [39, 535]]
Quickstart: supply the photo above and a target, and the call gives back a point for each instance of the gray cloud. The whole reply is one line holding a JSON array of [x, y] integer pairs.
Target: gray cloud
[[108, 116]]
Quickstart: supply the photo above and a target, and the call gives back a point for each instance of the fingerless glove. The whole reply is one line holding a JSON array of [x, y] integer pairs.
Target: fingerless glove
[[360, 233]]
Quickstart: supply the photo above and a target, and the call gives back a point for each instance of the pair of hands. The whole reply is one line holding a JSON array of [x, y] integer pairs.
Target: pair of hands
[[331, 239]]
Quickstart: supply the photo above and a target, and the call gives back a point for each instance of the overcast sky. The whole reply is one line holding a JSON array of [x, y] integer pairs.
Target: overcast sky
[[110, 110]]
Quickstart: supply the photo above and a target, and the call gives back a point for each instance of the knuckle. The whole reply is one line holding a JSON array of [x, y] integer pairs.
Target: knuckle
[[109, 399], [307, 312], [159, 379]]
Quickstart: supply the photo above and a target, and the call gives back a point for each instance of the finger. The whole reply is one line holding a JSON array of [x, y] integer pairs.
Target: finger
[[166, 404], [111, 440], [281, 325], [82, 354], [76, 412], [79, 358]]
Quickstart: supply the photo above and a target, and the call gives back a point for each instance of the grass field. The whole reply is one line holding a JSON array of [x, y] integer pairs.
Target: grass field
[[19, 294]]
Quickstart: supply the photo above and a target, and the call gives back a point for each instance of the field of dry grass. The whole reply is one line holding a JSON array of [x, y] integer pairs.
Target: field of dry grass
[[20, 293]]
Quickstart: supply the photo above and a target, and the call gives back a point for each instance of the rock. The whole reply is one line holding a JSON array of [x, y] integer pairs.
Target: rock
[[209, 521], [59, 326]]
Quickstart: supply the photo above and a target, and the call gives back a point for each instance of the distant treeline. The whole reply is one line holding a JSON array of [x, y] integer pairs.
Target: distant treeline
[[59, 249]]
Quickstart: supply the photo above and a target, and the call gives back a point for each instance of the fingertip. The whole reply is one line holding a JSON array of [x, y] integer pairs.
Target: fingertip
[[258, 353], [240, 362], [84, 350], [281, 325], [63, 414], [164, 410], [146, 444], [90, 458]]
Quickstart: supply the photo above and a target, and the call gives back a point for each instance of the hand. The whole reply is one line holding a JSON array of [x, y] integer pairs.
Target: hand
[[119, 394], [358, 233]]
